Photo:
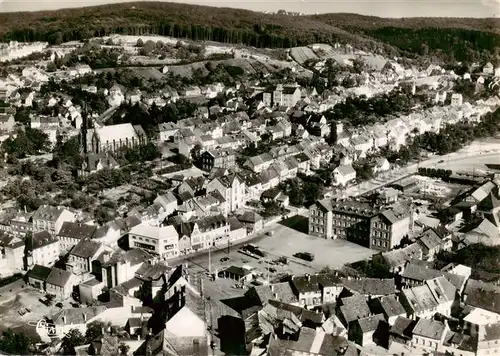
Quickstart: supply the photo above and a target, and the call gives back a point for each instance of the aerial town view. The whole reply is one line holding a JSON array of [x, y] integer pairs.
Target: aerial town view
[[186, 180]]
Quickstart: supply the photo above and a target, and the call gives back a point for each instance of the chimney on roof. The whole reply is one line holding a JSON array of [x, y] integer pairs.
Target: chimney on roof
[[84, 317], [64, 319]]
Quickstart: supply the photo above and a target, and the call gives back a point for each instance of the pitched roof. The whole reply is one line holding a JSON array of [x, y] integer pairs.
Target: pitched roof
[[403, 327], [345, 170], [39, 240], [116, 132], [312, 283], [250, 217], [86, 249], [50, 213], [370, 323], [429, 239], [482, 295], [391, 306], [354, 307], [77, 230], [58, 277], [371, 286], [39, 272], [429, 328]]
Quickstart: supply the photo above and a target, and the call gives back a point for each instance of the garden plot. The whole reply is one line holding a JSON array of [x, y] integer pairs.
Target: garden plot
[[302, 54]]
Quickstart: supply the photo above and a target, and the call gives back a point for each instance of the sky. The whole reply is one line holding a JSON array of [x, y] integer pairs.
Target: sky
[[382, 8]]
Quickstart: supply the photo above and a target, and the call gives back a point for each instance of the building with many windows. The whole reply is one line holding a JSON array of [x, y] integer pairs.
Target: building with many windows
[[160, 240], [377, 227]]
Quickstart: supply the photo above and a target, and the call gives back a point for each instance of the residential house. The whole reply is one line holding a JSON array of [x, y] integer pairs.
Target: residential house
[[231, 187], [167, 131], [415, 274], [37, 276], [352, 308], [193, 186], [218, 158], [7, 122], [456, 99], [381, 165], [312, 290], [11, 254], [370, 287], [81, 257], [344, 174], [259, 163], [252, 221], [159, 240], [363, 331], [362, 143], [401, 331], [71, 233], [167, 202], [51, 218], [60, 283], [313, 343], [481, 295], [120, 267], [286, 96], [389, 307], [42, 248], [429, 335], [431, 243], [435, 296]]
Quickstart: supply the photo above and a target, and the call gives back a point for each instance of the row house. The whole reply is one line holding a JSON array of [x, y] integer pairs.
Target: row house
[[259, 163], [51, 218], [435, 296], [207, 205], [200, 234], [316, 289], [71, 233]]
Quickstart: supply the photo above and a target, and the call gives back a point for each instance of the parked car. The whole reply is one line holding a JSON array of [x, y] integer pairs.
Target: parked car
[[224, 259], [306, 256], [59, 305]]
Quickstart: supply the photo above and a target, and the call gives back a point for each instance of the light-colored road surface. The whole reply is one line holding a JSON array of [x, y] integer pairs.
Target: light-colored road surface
[[472, 157]]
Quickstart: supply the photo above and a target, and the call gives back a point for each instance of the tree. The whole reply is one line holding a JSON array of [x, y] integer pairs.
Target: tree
[[15, 343], [51, 67], [140, 43], [123, 348], [94, 331], [73, 338]]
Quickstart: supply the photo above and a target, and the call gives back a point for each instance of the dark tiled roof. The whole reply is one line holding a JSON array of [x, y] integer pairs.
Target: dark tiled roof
[[403, 327], [354, 308], [370, 323], [391, 306], [76, 230], [429, 328], [301, 313], [58, 277], [371, 286], [40, 239], [482, 295], [315, 282], [85, 249], [39, 272]]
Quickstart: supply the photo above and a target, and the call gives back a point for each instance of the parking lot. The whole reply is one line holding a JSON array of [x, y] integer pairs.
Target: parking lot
[[286, 239], [17, 297]]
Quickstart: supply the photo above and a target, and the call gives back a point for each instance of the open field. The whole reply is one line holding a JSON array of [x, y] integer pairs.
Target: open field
[[289, 237], [14, 297]]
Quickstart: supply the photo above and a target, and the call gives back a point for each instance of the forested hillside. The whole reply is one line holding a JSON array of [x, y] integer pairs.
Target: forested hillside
[[449, 39]]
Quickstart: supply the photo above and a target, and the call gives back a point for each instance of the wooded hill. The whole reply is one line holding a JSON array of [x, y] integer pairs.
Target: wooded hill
[[460, 39]]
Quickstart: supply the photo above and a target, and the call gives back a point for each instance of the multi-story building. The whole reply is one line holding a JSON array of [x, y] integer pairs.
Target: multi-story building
[[218, 158], [71, 233], [81, 256], [51, 218], [231, 187], [42, 249], [390, 226], [11, 254], [160, 240], [312, 290], [286, 95], [376, 227], [203, 233]]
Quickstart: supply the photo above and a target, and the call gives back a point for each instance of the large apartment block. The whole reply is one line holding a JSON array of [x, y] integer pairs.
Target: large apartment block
[[377, 227]]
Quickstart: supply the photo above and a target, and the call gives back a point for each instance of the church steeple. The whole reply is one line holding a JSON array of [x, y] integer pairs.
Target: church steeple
[[83, 130]]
